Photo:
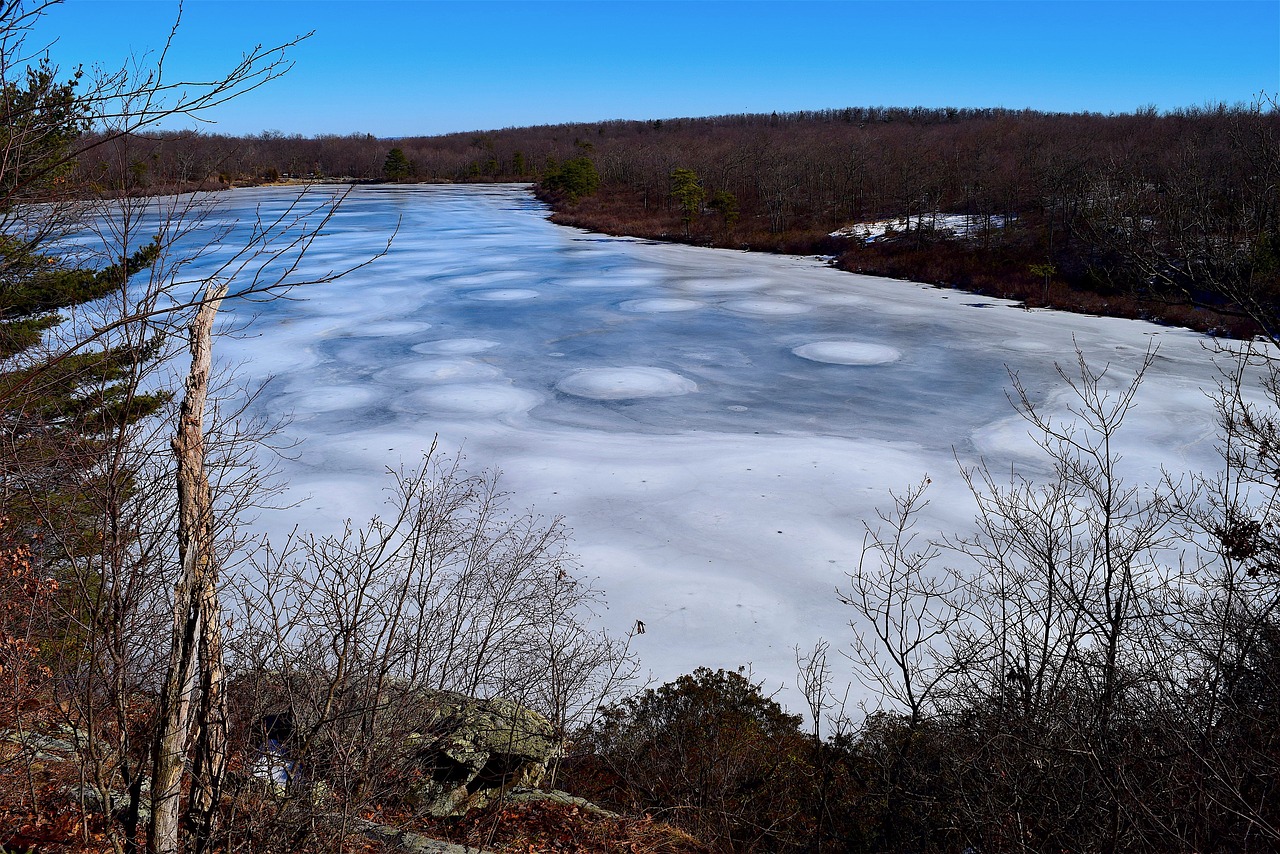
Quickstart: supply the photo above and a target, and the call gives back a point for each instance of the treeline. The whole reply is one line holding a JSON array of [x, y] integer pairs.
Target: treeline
[[1119, 214]]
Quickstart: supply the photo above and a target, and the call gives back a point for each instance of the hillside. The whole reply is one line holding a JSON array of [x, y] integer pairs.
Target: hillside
[[1171, 217]]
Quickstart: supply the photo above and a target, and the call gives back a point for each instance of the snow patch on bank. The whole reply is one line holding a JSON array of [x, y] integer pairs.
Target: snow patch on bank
[[960, 225]]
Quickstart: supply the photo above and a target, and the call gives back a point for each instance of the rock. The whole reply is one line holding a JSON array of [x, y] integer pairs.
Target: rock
[[60, 746], [119, 802], [474, 751], [456, 753], [555, 796], [412, 843], [43, 748]]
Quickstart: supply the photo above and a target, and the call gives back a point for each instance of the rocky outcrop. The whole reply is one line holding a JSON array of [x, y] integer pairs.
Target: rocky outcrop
[[448, 752], [41, 747], [518, 796], [410, 842], [474, 751]]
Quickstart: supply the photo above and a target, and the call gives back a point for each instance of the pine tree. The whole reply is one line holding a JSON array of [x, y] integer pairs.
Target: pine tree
[[689, 195], [575, 178], [396, 167], [55, 405]]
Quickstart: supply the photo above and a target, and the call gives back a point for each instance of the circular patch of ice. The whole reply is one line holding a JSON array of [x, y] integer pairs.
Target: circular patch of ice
[[723, 286], [487, 278], [1027, 345], [630, 282], [385, 329], [766, 307], [848, 353], [647, 306], [898, 309], [504, 294], [442, 371], [474, 400], [838, 299], [625, 383], [329, 398], [455, 346]]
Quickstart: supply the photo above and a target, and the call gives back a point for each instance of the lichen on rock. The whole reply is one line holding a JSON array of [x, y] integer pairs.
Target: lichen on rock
[[476, 750]]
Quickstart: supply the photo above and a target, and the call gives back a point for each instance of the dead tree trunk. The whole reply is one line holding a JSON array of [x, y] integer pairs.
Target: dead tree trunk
[[211, 720], [194, 679]]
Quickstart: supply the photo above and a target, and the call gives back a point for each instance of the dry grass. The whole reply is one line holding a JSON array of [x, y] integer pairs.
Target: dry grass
[[552, 827]]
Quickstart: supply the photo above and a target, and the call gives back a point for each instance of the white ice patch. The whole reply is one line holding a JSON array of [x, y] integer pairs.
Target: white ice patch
[[901, 309], [611, 282], [1028, 346], [330, 398], [722, 286], [625, 383], [485, 400], [442, 371], [660, 306], [386, 329], [766, 307], [455, 346], [504, 295], [488, 278], [848, 353], [838, 299]]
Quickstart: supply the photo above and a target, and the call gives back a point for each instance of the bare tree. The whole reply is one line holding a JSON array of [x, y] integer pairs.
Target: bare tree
[[364, 634], [909, 608]]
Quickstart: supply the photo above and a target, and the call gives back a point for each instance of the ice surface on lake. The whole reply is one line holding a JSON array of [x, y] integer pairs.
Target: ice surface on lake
[[715, 426], [647, 305], [504, 294], [848, 353], [625, 383]]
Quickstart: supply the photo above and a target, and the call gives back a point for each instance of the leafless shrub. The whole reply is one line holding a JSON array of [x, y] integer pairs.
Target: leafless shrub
[[449, 593]]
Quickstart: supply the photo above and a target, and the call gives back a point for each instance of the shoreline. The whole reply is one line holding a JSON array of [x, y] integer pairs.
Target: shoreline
[[852, 257]]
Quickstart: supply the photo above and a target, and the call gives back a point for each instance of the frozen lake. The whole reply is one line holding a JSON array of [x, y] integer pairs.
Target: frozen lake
[[714, 426]]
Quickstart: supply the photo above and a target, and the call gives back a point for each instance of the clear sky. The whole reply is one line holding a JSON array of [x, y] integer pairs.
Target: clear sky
[[408, 68]]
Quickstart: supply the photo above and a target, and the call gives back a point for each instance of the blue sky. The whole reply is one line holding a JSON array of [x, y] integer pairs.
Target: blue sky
[[408, 68]]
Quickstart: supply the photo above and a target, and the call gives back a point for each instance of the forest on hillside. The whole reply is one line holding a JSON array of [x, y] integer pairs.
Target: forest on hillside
[[1112, 214]]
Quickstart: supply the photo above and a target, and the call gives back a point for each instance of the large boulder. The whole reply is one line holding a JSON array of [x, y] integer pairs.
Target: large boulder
[[441, 753], [473, 751]]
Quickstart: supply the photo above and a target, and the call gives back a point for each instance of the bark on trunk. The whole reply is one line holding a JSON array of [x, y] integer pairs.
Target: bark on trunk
[[194, 679], [211, 732]]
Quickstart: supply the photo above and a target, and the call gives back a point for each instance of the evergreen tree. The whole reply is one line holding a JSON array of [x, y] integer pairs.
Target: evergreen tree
[[573, 179], [55, 405], [726, 204], [396, 167], [688, 194]]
